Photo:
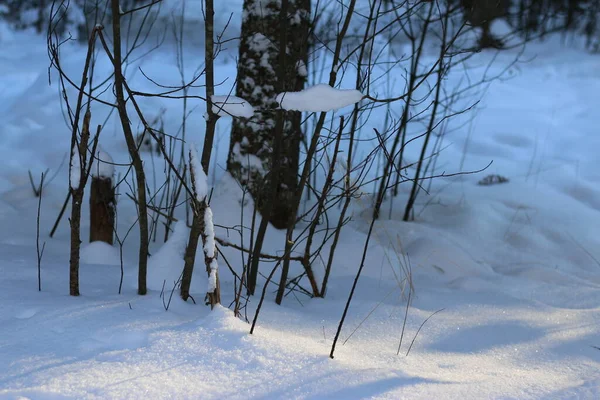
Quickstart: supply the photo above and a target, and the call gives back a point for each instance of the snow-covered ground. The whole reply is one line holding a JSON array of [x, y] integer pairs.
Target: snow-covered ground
[[513, 267]]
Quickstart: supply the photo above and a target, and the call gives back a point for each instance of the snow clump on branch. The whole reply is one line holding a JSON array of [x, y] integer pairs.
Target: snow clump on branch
[[200, 184], [318, 98], [200, 179], [231, 106], [75, 169], [210, 249]]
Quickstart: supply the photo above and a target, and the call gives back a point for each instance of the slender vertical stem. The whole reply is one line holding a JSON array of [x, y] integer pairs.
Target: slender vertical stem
[[209, 55], [320, 210], [60, 214], [276, 155], [348, 198], [436, 102], [79, 151], [132, 147], [289, 242], [400, 139], [199, 206], [356, 278], [40, 252]]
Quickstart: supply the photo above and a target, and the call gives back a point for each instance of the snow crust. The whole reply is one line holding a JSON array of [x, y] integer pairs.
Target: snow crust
[[319, 98], [232, 106]]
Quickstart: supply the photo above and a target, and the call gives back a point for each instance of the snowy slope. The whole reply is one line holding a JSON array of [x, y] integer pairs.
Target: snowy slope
[[513, 267]]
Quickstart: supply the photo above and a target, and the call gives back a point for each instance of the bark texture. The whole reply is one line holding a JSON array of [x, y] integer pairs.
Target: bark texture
[[102, 210], [75, 243], [252, 139], [79, 153]]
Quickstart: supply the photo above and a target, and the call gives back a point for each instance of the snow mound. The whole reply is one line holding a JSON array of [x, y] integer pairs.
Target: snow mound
[[319, 98], [222, 319], [100, 253], [167, 263], [113, 341], [232, 106]]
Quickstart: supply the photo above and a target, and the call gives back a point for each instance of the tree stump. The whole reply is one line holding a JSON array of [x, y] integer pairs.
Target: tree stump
[[102, 199], [481, 13], [102, 210]]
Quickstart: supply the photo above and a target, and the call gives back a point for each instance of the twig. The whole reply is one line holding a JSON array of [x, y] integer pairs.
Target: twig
[[60, 214], [262, 297], [356, 278], [40, 253], [369, 314], [37, 191], [123, 13], [584, 249], [168, 304], [404, 322], [225, 243], [419, 330]]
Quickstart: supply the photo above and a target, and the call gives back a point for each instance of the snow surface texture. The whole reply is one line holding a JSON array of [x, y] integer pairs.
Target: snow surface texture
[[99, 253], [512, 265], [165, 266], [232, 106], [318, 98]]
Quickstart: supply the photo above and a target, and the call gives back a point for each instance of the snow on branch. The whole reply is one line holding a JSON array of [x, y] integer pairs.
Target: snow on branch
[[75, 168], [210, 249], [102, 165], [200, 185], [319, 98], [200, 180], [232, 106]]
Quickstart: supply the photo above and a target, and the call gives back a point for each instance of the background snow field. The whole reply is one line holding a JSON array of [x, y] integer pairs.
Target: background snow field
[[514, 268]]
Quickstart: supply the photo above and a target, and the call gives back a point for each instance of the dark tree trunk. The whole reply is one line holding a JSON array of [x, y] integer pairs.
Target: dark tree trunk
[[75, 242], [78, 163], [102, 210], [190, 254], [132, 148], [252, 140]]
